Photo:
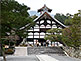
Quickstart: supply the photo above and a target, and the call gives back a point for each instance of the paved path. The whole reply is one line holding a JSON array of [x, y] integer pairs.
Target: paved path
[[20, 51], [46, 58], [40, 58], [54, 57], [21, 55], [22, 58], [1, 58]]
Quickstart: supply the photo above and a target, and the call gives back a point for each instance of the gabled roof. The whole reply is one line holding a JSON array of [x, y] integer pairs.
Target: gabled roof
[[45, 13]]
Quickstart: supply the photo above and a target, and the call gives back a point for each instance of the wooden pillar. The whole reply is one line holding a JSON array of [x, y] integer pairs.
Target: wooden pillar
[[51, 43], [51, 28], [39, 29], [51, 24], [33, 41], [33, 35]]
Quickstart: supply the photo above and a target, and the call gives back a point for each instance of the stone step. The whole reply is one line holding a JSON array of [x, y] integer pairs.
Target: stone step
[[45, 50]]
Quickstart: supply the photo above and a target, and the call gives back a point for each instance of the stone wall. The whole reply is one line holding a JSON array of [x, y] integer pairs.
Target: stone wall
[[71, 52]]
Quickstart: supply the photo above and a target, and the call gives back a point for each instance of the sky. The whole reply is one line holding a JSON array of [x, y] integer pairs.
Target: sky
[[57, 6]]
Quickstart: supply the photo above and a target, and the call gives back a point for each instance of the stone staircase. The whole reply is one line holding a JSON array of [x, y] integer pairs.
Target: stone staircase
[[44, 50]]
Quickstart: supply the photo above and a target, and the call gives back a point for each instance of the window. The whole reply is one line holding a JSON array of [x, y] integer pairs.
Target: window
[[48, 21], [42, 21]]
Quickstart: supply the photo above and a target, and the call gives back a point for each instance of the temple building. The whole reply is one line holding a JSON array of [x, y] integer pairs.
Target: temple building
[[42, 23]]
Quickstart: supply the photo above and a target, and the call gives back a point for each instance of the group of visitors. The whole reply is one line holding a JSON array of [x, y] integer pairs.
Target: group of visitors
[[42, 43]]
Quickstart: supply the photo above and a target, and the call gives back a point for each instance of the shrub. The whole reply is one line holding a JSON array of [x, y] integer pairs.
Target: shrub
[[9, 51]]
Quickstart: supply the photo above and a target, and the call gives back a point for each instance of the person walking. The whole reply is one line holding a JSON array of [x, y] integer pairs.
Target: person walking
[[47, 43], [37, 44]]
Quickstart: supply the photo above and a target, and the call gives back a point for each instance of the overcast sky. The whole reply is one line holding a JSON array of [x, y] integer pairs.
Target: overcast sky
[[57, 6]]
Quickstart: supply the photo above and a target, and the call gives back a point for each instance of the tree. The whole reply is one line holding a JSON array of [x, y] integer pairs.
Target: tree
[[72, 34], [61, 17], [54, 35], [68, 21], [13, 17]]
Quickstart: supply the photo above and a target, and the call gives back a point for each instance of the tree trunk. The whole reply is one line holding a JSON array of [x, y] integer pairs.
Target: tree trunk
[[4, 58], [2, 50]]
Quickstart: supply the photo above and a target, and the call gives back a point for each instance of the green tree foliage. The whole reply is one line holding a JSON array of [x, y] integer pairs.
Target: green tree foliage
[[61, 17], [72, 34], [54, 34], [13, 17], [68, 21]]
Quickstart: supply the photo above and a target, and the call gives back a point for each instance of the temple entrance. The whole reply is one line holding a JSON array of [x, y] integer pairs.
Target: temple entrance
[[34, 42], [43, 23], [41, 40]]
